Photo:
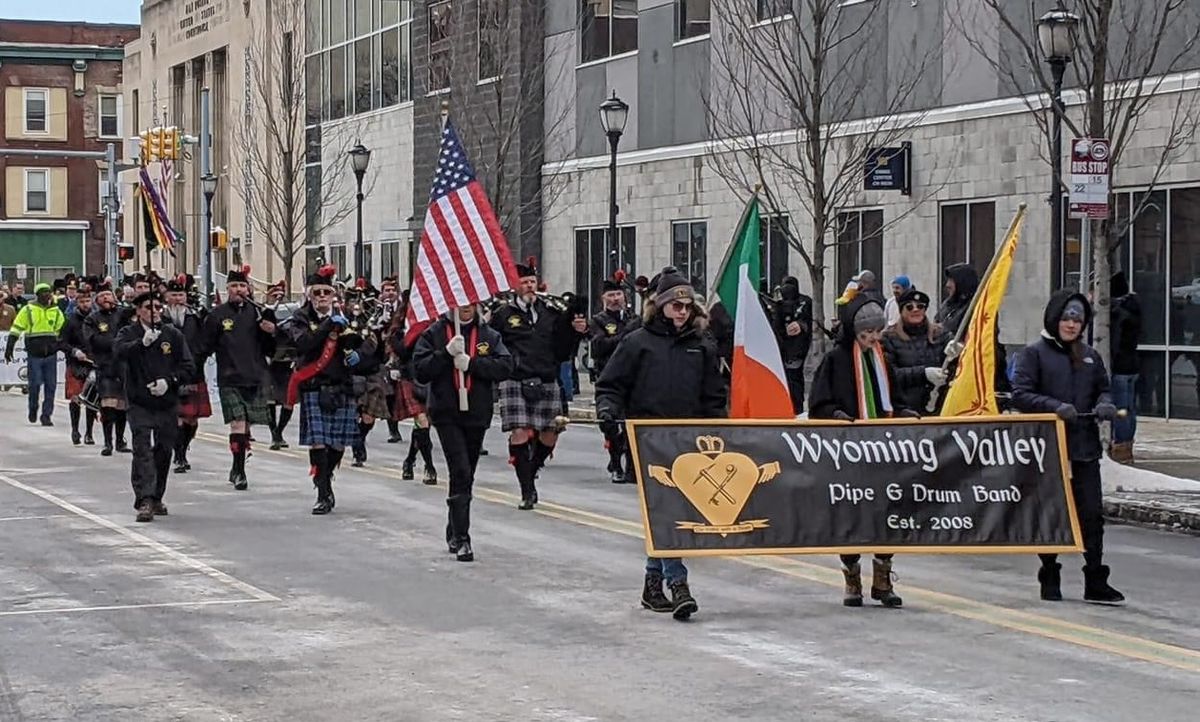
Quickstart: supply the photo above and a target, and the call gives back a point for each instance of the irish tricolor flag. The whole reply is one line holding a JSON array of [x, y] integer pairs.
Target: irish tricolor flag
[[759, 387]]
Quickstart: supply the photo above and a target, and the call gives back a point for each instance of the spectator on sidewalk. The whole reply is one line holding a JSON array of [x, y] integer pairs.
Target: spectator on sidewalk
[[1126, 322], [900, 286], [7, 312]]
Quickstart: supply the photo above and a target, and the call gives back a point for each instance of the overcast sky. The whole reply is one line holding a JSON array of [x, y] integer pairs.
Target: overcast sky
[[92, 11]]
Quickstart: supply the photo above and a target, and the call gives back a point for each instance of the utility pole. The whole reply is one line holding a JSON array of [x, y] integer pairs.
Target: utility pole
[[206, 269]]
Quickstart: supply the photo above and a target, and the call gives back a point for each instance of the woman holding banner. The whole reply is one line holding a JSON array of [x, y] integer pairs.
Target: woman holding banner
[[854, 381], [1060, 374]]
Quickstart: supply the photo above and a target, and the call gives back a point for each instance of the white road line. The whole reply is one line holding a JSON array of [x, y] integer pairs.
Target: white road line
[[31, 518], [145, 541], [119, 607]]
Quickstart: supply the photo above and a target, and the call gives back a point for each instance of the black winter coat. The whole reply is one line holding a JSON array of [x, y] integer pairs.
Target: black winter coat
[[834, 387], [1126, 331], [99, 333], [1047, 376], [168, 357], [491, 363], [70, 340], [192, 329], [793, 349], [232, 334], [607, 330], [954, 309], [909, 351], [307, 332], [538, 346], [660, 373]]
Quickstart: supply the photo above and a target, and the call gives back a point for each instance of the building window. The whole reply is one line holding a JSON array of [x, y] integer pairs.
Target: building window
[[337, 259], [36, 100], [489, 39], [110, 125], [689, 250], [316, 103], [440, 32], [771, 9], [336, 65], [389, 259], [607, 28], [37, 190], [597, 259], [859, 245], [969, 234], [773, 245], [362, 75], [692, 18]]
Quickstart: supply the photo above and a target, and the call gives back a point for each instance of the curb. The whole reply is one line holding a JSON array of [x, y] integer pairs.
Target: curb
[[582, 415], [1152, 514]]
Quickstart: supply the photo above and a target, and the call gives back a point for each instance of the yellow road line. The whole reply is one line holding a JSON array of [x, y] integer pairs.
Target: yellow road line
[[1081, 635]]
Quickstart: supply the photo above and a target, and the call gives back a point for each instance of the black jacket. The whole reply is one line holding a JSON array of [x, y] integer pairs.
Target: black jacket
[[660, 373], [834, 387], [168, 357], [1050, 373], [607, 329], [99, 332], [909, 351], [71, 339], [793, 306], [954, 309], [232, 334], [307, 332], [192, 329], [538, 346], [1126, 320], [490, 364]]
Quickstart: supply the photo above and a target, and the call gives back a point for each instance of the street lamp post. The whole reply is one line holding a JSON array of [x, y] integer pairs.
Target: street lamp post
[[613, 114], [208, 185], [1056, 36], [360, 158]]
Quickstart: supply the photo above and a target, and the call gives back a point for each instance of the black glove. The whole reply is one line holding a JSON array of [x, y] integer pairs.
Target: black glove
[[842, 416], [1106, 411], [8, 349], [1067, 412], [605, 416], [908, 414]]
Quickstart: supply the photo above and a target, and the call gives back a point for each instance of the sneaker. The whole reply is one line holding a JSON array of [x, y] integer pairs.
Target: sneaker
[[145, 511], [160, 509], [88, 440]]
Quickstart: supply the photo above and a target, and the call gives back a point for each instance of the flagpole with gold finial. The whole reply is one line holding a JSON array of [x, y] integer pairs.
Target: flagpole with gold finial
[[460, 376]]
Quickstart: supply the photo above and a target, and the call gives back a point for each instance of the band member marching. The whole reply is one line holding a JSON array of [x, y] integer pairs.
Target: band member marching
[[156, 362], [390, 306], [322, 382], [370, 376], [99, 332], [79, 365], [608, 328], [194, 403], [540, 338], [410, 398], [280, 371], [241, 340], [854, 381], [475, 359], [667, 369]]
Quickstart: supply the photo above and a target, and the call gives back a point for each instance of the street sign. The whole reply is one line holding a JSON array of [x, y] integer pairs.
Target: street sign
[[1090, 177], [889, 169], [22, 271]]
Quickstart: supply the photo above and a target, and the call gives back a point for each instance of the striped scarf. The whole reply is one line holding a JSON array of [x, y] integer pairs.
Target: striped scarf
[[871, 382]]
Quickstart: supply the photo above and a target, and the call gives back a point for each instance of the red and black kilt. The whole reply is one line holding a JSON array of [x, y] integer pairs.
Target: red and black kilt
[[196, 405], [73, 386], [407, 405]]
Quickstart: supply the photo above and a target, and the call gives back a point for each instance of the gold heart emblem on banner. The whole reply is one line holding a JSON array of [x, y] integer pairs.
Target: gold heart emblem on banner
[[718, 484]]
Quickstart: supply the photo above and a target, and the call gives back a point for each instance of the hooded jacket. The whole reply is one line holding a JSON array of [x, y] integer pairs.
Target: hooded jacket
[[834, 387], [1126, 321], [954, 310], [490, 364], [1048, 375], [660, 372]]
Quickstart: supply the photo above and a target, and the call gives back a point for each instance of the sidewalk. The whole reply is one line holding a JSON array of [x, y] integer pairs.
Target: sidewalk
[[1161, 488]]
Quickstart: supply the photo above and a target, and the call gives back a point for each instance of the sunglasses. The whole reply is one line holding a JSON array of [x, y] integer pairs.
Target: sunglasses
[[915, 306], [680, 305], [321, 292]]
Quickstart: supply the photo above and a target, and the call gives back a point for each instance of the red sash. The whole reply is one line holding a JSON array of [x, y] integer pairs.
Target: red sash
[[310, 371]]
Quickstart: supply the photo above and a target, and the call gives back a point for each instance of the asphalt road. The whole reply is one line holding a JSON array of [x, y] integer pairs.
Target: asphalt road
[[242, 606]]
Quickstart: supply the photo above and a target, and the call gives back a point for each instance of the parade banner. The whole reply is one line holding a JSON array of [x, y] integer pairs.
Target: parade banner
[[16, 374], [992, 484]]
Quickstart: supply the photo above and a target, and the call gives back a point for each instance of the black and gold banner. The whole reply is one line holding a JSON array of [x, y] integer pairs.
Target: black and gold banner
[[996, 484]]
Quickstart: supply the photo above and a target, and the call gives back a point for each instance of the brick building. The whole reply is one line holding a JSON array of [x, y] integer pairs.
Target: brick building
[[62, 92]]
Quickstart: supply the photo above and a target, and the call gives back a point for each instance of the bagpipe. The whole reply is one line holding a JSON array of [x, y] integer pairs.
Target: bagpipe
[[568, 302]]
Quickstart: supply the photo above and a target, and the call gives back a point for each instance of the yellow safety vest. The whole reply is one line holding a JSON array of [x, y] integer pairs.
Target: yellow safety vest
[[34, 320]]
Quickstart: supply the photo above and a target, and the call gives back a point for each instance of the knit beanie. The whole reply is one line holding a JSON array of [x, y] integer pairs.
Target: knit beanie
[[869, 318], [673, 287]]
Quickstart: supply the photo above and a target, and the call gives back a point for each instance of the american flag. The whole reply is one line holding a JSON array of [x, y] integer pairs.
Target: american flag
[[464, 256]]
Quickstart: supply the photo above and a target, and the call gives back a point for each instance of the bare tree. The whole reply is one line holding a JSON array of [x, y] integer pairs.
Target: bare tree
[[795, 104], [1124, 52], [498, 79], [271, 146]]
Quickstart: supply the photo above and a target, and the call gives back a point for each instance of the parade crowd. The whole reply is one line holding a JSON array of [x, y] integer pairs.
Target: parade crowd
[[347, 357]]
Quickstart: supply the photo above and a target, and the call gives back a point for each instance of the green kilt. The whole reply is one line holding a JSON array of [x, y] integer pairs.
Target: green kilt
[[245, 404]]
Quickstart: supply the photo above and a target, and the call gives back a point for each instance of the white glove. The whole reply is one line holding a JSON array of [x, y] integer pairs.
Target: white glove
[[461, 362], [150, 336], [456, 345], [157, 387], [936, 375], [394, 374], [953, 349], [80, 355]]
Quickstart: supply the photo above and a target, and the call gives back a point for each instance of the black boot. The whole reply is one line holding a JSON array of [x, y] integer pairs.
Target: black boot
[[73, 409], [321, 471], [335, 461], [119, 423], [460, 523], [90, 421], [393, 431], [430, 478], [238, 446], [1050, 578], [683, 605], [1096, 588], [181, 466], [881, 584], [652, 594], [106, 425], [406, 471], [519, 457]]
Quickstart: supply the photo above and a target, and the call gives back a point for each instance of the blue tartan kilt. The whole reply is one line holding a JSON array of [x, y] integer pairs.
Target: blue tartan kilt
[[338, 429]]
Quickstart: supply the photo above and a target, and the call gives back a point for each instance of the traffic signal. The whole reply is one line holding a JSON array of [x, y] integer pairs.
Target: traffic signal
[[125, 251], [219, 239], [169, 143]]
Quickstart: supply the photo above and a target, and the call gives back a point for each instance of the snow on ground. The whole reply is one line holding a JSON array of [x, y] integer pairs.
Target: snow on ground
[[1118, 477]]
